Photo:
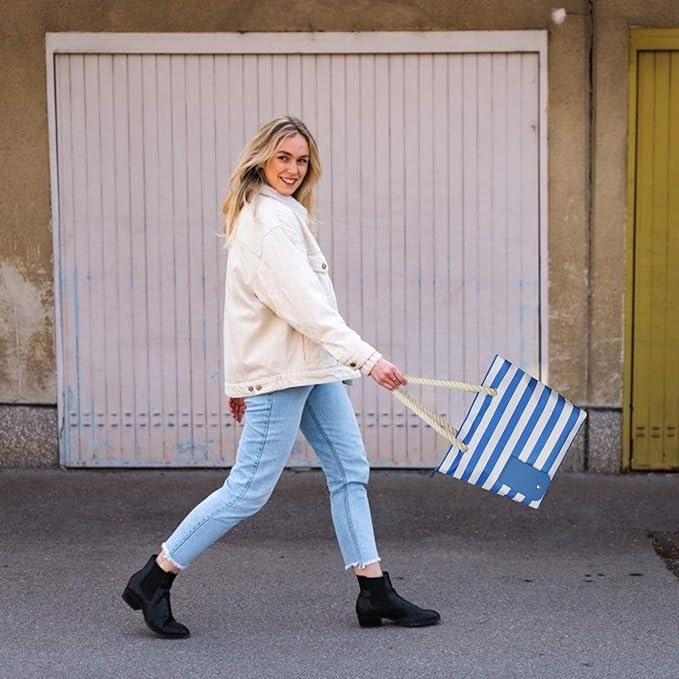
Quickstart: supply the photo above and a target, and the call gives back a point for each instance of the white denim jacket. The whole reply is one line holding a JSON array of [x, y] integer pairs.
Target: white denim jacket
[[281, 324]]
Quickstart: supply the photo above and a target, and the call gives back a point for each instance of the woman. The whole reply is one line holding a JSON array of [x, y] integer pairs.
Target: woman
[[287, 352]]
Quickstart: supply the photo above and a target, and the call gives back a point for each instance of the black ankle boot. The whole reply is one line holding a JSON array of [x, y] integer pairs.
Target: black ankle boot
[[378, 599], [149, 589]]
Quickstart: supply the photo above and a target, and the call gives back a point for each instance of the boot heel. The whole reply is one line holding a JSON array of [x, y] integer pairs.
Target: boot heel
[[369, 620], [131, 600]]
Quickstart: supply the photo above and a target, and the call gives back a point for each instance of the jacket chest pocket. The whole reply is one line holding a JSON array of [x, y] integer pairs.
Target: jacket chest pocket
[[319, 266]]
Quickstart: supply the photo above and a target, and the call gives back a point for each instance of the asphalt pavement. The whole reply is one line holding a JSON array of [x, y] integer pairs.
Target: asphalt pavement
[[574, 589]]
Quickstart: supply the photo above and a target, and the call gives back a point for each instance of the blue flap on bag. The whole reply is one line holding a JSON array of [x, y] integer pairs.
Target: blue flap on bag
[[525, 479]]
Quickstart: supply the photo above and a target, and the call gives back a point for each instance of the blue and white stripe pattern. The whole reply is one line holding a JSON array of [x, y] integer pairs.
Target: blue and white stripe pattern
[[517, 439]]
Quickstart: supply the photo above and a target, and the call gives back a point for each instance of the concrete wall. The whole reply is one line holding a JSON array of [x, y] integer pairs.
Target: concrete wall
[[585, 333]]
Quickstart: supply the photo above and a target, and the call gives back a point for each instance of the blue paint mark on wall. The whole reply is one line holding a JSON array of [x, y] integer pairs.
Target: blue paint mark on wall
[[65, 431], [95, 445], [195, 450], [76, 306]]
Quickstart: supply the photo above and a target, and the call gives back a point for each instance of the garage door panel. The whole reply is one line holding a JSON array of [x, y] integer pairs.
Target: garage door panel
[[66, 256], [151, 232], [108, 257], [441, 184], [91, 259]]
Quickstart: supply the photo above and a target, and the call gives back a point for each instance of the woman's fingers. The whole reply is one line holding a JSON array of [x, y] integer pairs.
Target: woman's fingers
[[395, 380], [399, 376], [236, 408], [387, 375]]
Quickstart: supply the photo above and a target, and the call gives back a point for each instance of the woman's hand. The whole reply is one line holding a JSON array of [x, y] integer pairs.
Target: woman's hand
[[236, 408], [387, 375]]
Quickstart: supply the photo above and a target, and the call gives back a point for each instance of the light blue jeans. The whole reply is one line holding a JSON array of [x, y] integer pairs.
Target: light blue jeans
[[325, 415]]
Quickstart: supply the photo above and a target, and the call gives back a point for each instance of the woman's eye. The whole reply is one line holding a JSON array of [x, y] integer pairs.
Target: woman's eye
[[304, 161]]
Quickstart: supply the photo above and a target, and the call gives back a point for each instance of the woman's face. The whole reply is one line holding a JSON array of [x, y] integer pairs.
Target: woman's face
[[286, 169]]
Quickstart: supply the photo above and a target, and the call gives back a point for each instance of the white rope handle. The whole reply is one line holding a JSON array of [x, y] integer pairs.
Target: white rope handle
[[450, 384], [431, 417]]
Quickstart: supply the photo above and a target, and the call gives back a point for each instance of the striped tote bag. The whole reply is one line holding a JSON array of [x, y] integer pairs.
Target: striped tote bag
[[514, 437]]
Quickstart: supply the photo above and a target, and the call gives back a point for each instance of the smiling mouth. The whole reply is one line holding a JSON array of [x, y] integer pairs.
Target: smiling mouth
[[289, 182]]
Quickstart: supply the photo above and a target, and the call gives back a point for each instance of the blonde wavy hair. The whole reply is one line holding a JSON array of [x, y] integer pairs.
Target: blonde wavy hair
[[248, 174]]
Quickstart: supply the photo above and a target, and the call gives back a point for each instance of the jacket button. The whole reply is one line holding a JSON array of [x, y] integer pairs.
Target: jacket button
[[258, 387], [324, 266], [353, 365], [251, 388]]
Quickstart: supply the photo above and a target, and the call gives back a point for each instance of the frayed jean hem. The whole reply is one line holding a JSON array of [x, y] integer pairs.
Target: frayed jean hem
[[358, 564], [166, 554]]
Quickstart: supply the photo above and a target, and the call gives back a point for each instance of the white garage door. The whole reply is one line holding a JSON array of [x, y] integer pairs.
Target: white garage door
[[432, 211]]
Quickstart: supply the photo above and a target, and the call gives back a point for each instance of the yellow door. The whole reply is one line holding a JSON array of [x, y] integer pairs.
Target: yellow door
[[652, 406]]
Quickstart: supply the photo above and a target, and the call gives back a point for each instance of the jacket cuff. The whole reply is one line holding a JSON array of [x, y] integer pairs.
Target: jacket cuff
[[367, 367]]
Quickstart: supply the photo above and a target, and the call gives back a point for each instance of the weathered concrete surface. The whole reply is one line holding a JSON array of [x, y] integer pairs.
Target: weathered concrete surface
[[604, 428], [572, 590], [568, 202], [27, 334], [29, 436]]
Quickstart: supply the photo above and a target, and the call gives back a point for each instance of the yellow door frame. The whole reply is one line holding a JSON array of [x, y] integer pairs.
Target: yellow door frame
[[641, 39]]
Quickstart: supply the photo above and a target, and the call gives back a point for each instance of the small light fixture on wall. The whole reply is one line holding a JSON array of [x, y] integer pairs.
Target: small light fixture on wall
[[559, 16]]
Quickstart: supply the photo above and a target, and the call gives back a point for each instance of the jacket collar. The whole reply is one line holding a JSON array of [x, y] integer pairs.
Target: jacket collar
[[294, 205]]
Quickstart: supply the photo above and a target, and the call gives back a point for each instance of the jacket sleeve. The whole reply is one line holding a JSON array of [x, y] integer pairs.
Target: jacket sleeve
[[286, 283]]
